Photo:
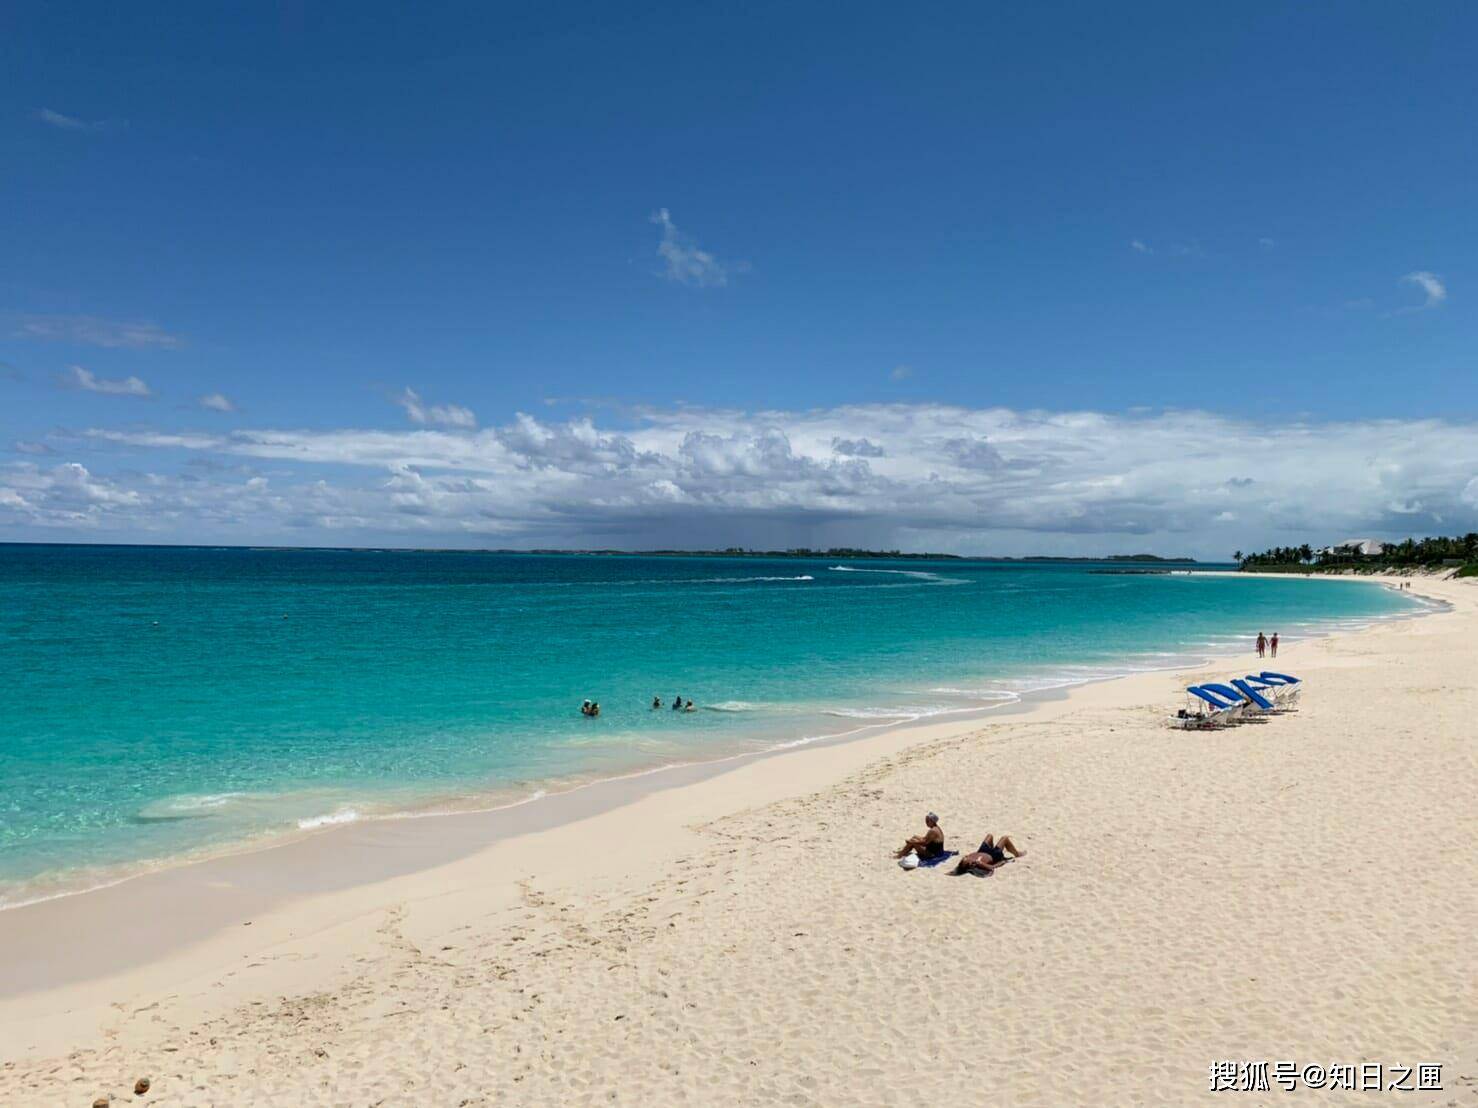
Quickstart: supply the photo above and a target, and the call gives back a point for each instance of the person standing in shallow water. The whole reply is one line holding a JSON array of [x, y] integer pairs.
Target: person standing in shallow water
[[1262, 644], [1273, 644]]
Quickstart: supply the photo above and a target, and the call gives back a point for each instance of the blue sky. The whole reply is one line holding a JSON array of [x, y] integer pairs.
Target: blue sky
[[637, 226]]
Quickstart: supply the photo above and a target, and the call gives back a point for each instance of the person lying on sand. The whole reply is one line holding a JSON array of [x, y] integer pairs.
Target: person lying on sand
[[928, 845], [991, 854]]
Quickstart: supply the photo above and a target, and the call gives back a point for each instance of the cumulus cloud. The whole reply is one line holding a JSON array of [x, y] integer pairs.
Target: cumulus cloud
[[90, 330], [684, 261], [969, 452], [1432, 288], [80, 378], [908, 475], [857, 448], [446, 415], [66, 494], [217, 402]]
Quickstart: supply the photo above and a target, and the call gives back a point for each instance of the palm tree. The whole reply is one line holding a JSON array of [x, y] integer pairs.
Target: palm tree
[[1237, 557]]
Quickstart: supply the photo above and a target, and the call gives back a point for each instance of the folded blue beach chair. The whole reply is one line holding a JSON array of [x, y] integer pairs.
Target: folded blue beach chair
[[1226, 692], [1269, 689], [1223, 711], [1281, 695], [1201, 692], [1252, 694], [1287, 687]]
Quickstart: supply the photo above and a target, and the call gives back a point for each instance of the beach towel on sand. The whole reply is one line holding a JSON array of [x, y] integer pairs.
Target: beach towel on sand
[[931, 863]]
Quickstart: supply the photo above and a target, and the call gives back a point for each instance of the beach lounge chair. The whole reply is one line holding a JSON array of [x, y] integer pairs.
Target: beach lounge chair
[[1250, 706], [1281, 695], [1213, 711], [1290, 685], [1253, 695]]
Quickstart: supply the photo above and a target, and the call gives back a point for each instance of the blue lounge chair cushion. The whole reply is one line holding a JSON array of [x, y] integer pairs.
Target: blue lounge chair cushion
[[1224, 691], [1212, 698], [1255, 696]]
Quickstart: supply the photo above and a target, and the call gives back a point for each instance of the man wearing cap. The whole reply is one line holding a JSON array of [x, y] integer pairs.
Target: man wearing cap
[[928, 845]]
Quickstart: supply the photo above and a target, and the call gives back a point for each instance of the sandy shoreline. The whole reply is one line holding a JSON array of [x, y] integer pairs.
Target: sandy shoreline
[[742, 936]]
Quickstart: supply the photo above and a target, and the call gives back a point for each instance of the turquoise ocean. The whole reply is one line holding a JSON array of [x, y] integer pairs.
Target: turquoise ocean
[[167, 702]]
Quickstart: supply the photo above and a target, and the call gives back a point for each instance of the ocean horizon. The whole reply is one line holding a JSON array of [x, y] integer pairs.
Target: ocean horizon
[[173, 702]]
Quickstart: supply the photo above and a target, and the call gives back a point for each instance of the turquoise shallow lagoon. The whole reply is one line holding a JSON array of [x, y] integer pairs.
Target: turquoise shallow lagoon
[[162, 702]]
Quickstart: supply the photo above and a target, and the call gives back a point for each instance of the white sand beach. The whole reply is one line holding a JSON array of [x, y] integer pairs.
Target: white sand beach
[[1300, 890]]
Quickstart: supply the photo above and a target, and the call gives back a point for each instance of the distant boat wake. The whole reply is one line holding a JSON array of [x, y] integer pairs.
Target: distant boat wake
[[917, 574]]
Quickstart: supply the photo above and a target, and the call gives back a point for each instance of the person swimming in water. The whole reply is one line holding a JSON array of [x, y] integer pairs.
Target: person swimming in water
[[677, 704], [690, 707], [656, 703]]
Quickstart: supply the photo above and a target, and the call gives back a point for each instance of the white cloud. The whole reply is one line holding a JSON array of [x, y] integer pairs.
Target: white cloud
[[66, 495], [969, 452], [446, 415], [217, 402], [64, 122], [80, 378], [1267, 243], [1139, 247], [900, 373], [1431, 285], [93, 331], [909, 475], [686, 263]]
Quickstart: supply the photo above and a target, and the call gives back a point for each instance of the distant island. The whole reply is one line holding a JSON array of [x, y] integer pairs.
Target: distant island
[[850, 552], [853, 554]]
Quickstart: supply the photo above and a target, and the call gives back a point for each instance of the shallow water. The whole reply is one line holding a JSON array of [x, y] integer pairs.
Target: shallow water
[[164, 701]]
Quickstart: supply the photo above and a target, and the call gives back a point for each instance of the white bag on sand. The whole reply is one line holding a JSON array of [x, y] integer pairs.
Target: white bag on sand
[[909, 861]]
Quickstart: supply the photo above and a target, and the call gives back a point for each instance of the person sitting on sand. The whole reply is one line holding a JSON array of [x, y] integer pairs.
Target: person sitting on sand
[[984, 861], [928, 845]]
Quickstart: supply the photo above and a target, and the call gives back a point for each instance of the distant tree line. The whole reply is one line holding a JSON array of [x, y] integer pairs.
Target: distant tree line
[[1409, 553]]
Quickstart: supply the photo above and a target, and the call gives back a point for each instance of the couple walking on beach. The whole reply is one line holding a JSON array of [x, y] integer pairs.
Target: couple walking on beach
[[1265, 644]]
